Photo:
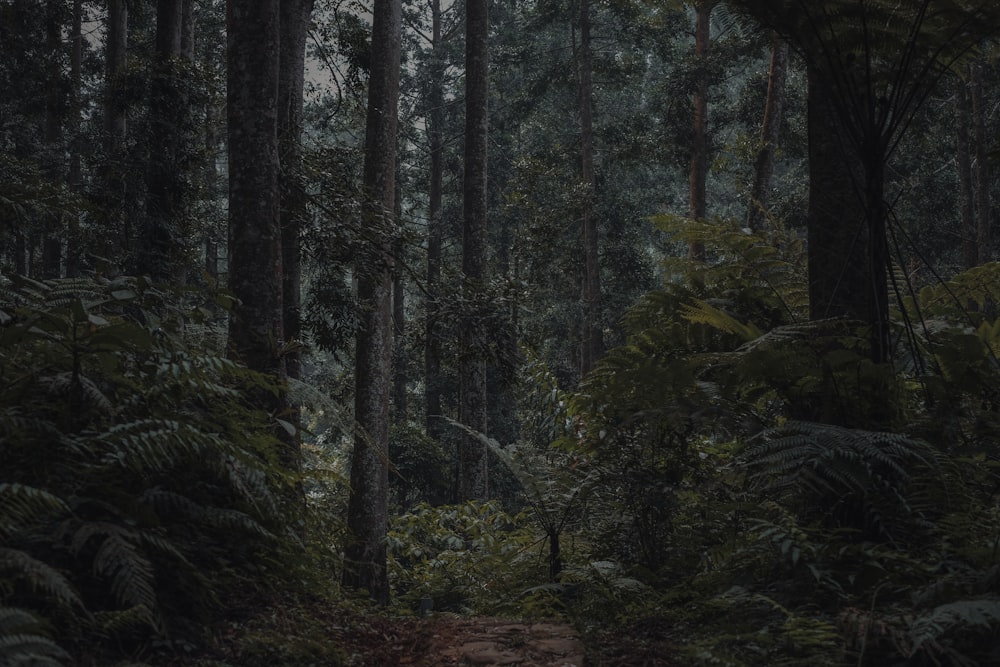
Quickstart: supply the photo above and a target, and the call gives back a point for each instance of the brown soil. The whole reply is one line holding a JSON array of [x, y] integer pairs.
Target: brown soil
[[472, 642]]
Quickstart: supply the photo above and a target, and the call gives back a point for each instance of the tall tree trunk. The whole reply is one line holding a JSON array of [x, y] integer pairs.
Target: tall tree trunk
[[187, 30], [982, 172], [399, 378], [399, 360], [365, 558], [114, 242], [435, 136], [963, 162], [592, 342], [472, 460], [770, 128], [836, 219], [698, 174], [55, 109], [255, 273], [75, 176], [165, 187], [295, 17]]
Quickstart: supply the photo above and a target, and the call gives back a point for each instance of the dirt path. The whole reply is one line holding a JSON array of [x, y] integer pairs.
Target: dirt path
[[464, 642], [490, 642]]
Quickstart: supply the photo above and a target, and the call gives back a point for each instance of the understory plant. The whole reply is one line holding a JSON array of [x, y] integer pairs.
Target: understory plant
[[788, 501], [137, 488]]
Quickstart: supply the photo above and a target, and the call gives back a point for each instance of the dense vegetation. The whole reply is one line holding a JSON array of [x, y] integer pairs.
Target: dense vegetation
[[688, 457]]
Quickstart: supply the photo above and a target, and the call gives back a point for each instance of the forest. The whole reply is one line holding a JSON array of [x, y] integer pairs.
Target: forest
[[322, 321]]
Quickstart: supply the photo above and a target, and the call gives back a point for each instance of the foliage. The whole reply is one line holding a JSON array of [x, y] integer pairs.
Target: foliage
[[136, 483], [472, 558]]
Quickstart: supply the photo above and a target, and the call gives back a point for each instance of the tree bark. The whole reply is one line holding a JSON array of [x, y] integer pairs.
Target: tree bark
[[114, 242], [365, 558], [963, 162], [187, 30], [592, 340], [255, 272], [698, 174], [835, 218], [984, 215], [75, 176], [770, 129], [55, 110], [472, 460], [165, 179], [435, 137], [295, 17], [399, 378]]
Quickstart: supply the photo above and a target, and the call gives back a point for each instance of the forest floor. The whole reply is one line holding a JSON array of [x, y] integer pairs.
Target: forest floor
[[492, 642], [314, 632]]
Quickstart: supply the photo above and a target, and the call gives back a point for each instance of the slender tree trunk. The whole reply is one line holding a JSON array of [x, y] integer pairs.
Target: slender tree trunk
[[75, 176], [592, 343], [698, 174], [982, 169], [963, 161], [365, 558], [879, 265], [255, 273], [187, 30], [836, 220], [435, 132], [295, 17], [771, 127], [399, 378], [114, 242], [399, 359], [165, 176], [55, 109], [472, 460]]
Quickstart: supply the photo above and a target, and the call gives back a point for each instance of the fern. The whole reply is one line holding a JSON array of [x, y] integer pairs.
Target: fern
[[22, 505], [39, 577], [22, 641], [863, 478], [133, 463]]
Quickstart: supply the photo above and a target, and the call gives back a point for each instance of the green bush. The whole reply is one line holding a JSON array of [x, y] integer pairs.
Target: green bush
[[135, 483]]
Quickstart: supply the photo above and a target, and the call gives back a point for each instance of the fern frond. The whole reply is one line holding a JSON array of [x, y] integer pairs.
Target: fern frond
[[703, 312], [31, 650], [132, 575], [24, 642], [39, 577], [22, 505], [982, 615], [832, 465]]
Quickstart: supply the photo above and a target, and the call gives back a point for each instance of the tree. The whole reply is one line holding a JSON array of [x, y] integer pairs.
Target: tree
[[168, 120], [764, 164], [472, 459], [295, 16], [963, 163], [984, 235], [435, 140], [367, 511], [55, 111], [111, 173], [592, 340], [255, 270], [871, 65], [698, 175]]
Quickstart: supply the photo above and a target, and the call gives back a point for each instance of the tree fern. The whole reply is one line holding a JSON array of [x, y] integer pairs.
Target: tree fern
[[855, 478]]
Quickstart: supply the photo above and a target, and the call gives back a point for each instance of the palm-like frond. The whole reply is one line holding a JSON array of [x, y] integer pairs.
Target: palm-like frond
[[23, 641], [863, 479], [22, 505]]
